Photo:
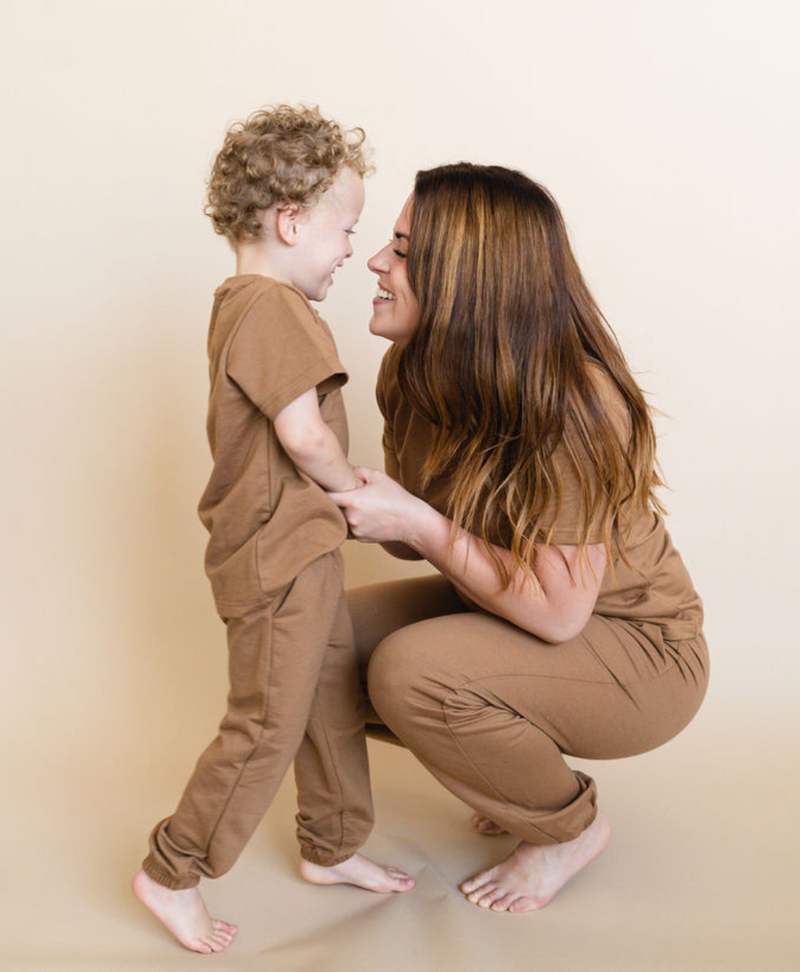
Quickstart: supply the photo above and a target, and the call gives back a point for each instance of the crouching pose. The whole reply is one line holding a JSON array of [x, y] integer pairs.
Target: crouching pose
[[520, 463]]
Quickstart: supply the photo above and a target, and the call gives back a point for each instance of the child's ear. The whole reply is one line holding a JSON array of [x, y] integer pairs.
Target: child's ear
[[287, 224]]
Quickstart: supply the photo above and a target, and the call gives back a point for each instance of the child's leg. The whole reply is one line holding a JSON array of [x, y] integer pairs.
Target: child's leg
[[335, 814], [335, 804], [275, 658]]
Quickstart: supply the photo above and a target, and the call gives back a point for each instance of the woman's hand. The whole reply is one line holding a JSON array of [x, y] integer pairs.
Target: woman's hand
[[554, 605], [381, 511]]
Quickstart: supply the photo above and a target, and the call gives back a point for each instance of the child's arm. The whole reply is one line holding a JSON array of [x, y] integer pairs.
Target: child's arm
[[312, 445]]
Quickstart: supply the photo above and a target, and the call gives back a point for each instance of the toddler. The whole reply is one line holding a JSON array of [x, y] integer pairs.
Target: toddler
[[286, 190]]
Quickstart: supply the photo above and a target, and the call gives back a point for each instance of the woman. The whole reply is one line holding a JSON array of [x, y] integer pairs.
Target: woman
[[521, 464]]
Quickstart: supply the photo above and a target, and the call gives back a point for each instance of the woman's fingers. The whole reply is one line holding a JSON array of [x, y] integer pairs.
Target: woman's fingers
[[351, 497], [344, 500], [380, 511]]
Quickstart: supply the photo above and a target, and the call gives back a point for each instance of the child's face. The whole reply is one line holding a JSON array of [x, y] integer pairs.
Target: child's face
[[324, 235]]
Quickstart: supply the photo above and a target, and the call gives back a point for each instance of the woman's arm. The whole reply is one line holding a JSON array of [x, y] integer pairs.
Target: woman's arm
[[555, 605], [401, 550]]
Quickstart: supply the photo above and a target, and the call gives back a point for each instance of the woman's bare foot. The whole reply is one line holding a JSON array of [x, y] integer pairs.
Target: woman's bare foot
[[532, 875], [360, 871], [486, 826], [185, 915]]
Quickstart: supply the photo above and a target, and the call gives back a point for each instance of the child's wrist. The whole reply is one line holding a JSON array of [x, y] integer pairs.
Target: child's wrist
[[352, 482]]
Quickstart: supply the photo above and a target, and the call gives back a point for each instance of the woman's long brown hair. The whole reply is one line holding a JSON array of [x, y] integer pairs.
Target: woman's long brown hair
[[499, 364]]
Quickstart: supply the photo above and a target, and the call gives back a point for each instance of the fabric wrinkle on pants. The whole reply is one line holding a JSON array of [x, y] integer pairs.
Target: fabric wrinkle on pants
[[294, 695], [490, 710]]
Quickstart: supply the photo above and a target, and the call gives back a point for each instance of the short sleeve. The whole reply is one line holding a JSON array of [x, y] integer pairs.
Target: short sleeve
[[282, 349], [569, 520]]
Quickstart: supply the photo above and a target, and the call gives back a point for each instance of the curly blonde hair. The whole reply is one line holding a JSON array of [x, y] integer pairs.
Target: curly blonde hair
[[280, 154]]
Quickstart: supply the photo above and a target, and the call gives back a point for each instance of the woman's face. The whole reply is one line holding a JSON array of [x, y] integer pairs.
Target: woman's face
[[395, 311]]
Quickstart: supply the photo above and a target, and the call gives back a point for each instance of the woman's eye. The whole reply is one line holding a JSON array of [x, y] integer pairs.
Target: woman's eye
[[350, 232], [399, 253]]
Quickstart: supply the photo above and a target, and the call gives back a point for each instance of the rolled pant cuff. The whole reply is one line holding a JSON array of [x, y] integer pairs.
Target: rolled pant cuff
[[324, 858], [162, 876], [565, 824]]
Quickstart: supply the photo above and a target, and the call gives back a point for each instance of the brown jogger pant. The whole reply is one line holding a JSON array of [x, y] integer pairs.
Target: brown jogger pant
[[491, 710], [294, 696]]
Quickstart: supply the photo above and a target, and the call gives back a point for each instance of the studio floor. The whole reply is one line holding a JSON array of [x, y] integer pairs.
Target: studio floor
[[701, 873]]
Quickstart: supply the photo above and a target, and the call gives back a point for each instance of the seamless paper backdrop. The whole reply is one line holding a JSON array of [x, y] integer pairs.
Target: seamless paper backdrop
[[666, 132]]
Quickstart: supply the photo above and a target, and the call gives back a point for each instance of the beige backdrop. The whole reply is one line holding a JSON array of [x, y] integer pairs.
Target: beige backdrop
[[667, 131]]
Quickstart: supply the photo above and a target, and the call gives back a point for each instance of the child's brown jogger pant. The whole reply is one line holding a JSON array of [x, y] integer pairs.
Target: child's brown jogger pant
[[294, 696]]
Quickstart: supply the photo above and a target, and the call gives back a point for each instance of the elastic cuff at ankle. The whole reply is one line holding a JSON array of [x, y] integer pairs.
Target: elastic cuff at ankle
[[161, 876]]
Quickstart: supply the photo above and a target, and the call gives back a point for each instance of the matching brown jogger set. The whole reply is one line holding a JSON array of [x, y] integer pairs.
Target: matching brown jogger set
[[277, 577], [488, 708]]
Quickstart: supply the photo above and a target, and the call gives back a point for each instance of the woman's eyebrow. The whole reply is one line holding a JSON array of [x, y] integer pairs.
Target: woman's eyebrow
[[400, 236]]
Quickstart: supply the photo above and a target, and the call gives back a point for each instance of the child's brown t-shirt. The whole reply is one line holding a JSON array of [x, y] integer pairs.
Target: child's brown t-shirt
[[655, 588], [266, 519]]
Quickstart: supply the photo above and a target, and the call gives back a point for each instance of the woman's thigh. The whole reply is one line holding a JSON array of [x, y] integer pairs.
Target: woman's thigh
[[615, 690]]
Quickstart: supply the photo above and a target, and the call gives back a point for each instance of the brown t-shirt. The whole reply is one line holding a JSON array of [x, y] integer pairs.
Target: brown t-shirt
[[267, 520], [655, 588]]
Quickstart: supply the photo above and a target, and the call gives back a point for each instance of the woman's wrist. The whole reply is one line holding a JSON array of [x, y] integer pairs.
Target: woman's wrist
[[425, 530]]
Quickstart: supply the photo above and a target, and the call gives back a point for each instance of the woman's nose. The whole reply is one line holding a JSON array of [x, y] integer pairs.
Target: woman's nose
[[377, 263]]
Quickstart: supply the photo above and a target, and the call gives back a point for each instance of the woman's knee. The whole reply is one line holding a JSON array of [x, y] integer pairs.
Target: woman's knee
[[395, 676]]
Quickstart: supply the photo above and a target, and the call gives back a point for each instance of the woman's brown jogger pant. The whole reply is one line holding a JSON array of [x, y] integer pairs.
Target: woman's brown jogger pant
[[491, 710]]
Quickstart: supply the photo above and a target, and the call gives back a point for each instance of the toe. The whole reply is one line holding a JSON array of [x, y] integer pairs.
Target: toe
[[404, 883], [481, 892], [473, 883], [485, 901], [224, 926], [484, 825], [488, 827], [495, 895], [502, 904], [524, 904]]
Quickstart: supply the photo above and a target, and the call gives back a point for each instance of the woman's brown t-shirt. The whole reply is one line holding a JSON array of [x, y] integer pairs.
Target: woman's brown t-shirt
[[655, 588]]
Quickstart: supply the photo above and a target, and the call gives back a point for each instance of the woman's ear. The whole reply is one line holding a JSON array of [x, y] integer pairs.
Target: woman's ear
[[287, 224]]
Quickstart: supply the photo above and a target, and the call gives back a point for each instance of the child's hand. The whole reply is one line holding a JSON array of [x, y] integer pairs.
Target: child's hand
[[380, 511]]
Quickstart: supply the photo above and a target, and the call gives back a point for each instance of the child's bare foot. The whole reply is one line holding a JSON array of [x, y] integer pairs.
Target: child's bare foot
[[532, 875], [185, 915], [360, 871], [486, 826]]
